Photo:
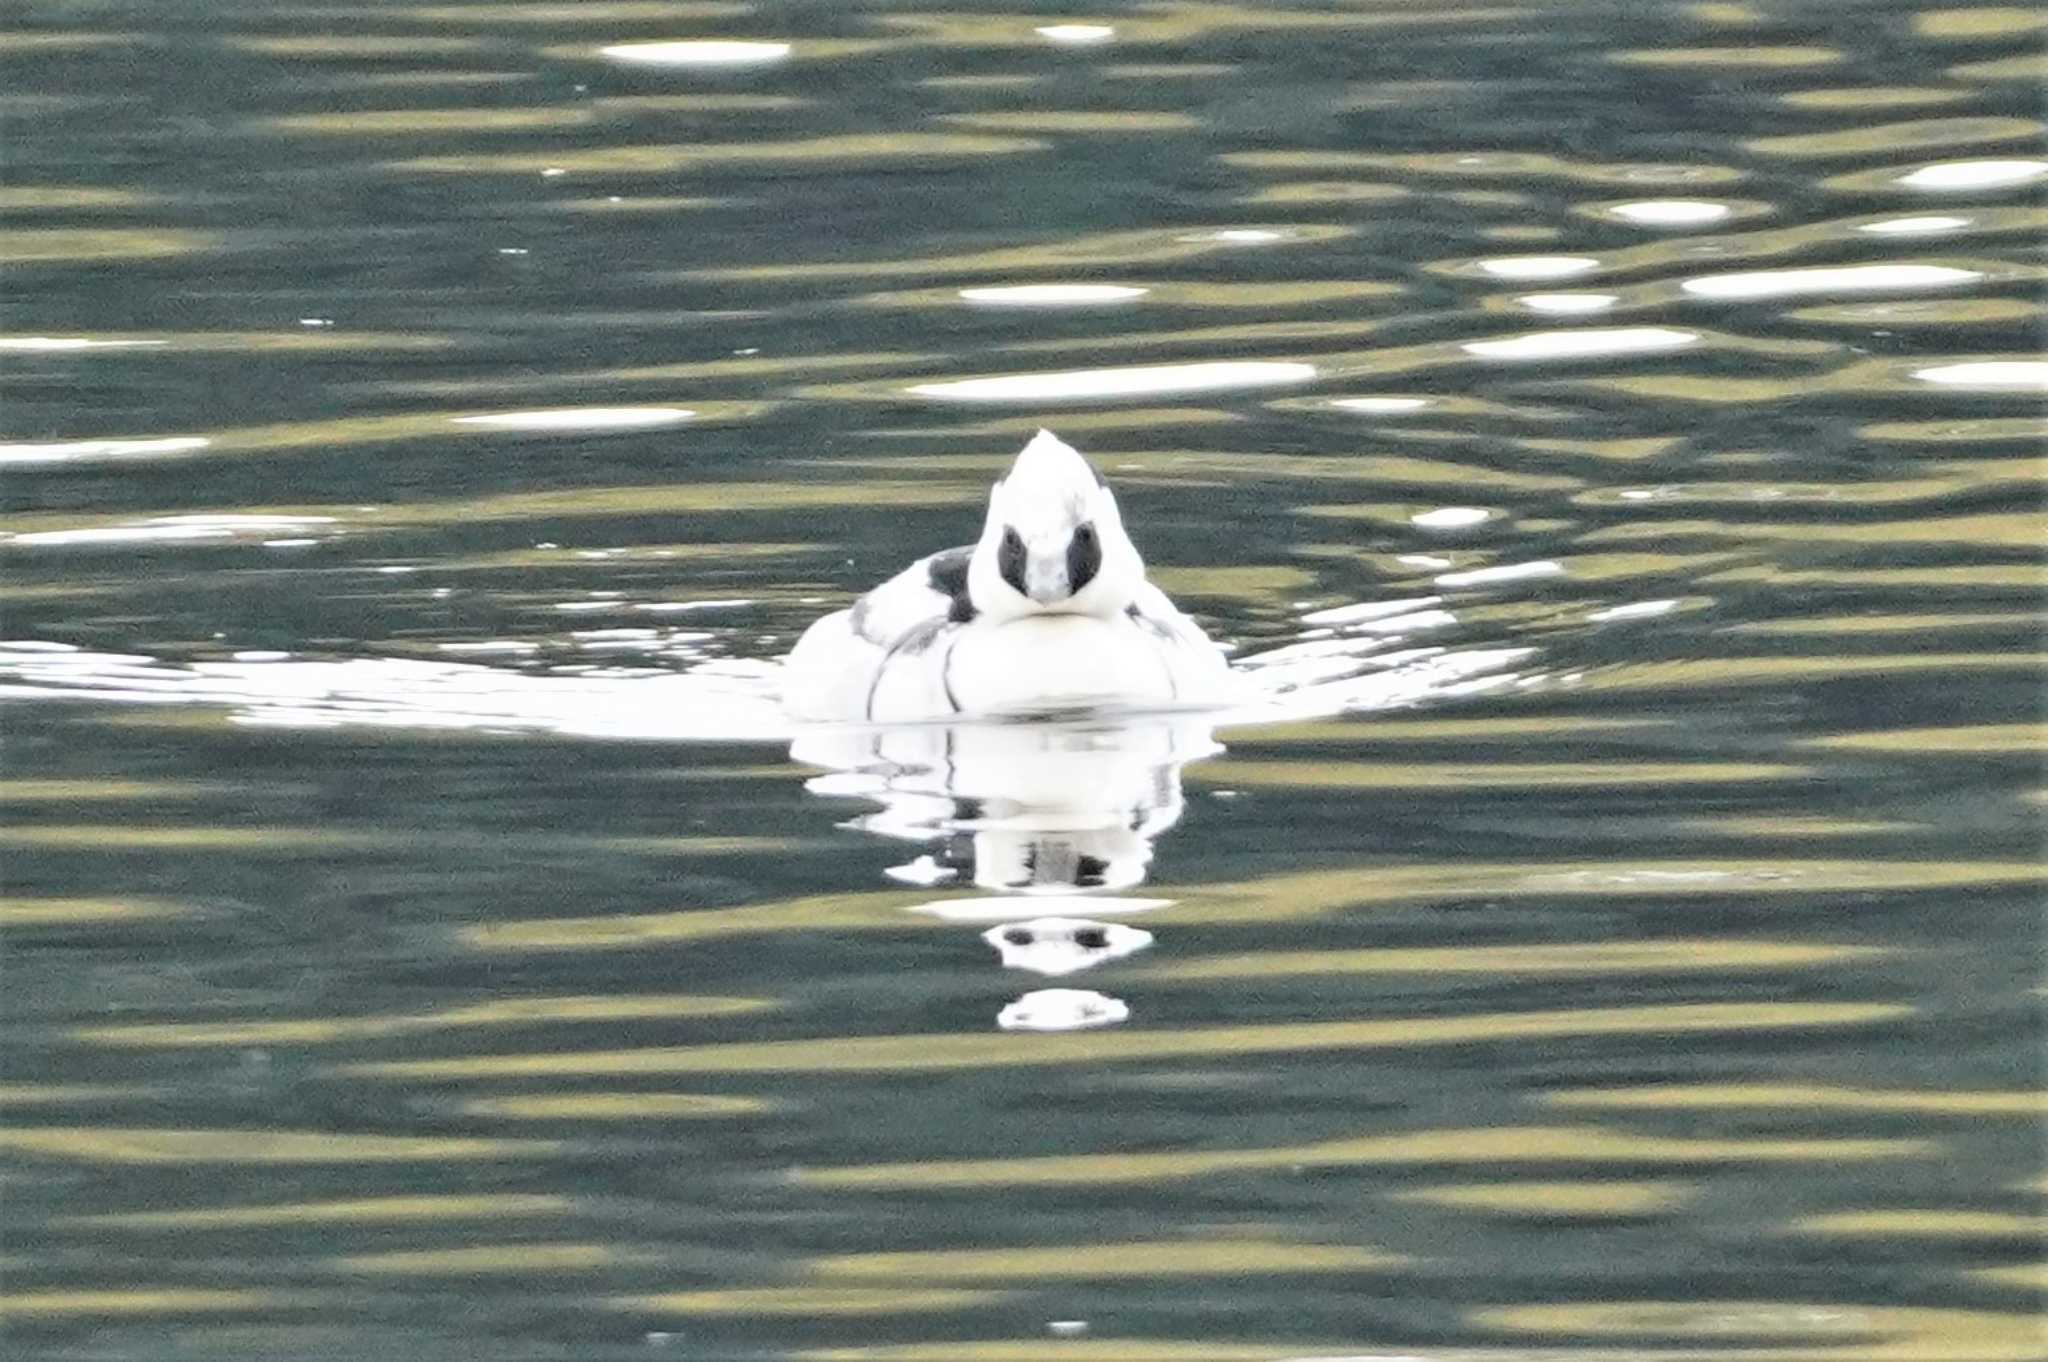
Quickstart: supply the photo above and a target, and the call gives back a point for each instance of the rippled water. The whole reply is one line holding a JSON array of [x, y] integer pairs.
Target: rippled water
[[1606, 435]]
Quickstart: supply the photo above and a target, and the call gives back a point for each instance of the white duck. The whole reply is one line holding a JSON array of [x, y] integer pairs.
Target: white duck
[[1049, 612]]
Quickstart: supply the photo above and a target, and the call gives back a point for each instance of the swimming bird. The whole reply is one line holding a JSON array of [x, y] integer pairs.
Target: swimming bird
[[1048, 612]]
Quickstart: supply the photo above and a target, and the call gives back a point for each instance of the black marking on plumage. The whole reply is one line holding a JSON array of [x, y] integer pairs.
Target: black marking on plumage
[[1010, 559], [1164, 632], [1157, 628], [946, 573], [1090, 872], [917, 639], [1084, 557], [912, 642], [946, 674], [885, 607]]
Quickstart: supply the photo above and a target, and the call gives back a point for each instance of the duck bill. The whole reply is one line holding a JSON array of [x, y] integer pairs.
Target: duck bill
[[1045, 579]]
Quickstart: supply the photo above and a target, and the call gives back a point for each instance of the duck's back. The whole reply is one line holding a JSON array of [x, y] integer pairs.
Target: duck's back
[[833, 668]]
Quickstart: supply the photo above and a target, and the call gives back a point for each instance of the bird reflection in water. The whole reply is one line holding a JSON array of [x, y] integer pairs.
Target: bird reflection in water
[[1063, 945], [1053, 817]]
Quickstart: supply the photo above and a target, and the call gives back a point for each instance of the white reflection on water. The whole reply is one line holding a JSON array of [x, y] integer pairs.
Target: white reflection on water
[[1671, 212], [1992, 375], [64, 343], [730, 701], [1240, 236], [1634, 610], [1052, 295], [168, 529], [1358, 673], [1030, 808], [1081, 384], [1842, 279], [1914, 226], [922, 871], [1451, 518], [87, 451], [1623, 340], [578, 418], [1958, 176], [1076, 35], [1538, 266], [699, 52], [1367, 611], [495, 645], [680, 607], [1380, 406], [1568, 304], [1057, 946], [1062, 1009]]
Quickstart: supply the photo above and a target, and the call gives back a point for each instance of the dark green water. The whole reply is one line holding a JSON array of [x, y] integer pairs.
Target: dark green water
[[1611, 932]]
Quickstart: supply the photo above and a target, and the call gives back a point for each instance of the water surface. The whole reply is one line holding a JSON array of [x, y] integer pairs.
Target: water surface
[[1607, 437]]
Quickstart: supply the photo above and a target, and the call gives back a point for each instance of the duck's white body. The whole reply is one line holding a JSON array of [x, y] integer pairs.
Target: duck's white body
[[1050, 611]]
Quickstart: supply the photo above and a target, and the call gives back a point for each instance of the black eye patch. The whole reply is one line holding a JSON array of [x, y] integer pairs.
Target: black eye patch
[[1010, 560], [1084, 558]]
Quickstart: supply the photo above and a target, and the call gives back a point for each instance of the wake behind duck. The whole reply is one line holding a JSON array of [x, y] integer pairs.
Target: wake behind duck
[[1050, 611]]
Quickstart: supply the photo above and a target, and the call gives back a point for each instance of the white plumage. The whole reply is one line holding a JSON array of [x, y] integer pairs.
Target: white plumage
[[1048, 611]]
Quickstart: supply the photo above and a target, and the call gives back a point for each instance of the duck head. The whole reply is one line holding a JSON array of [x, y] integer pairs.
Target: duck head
[[1053, 543]]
